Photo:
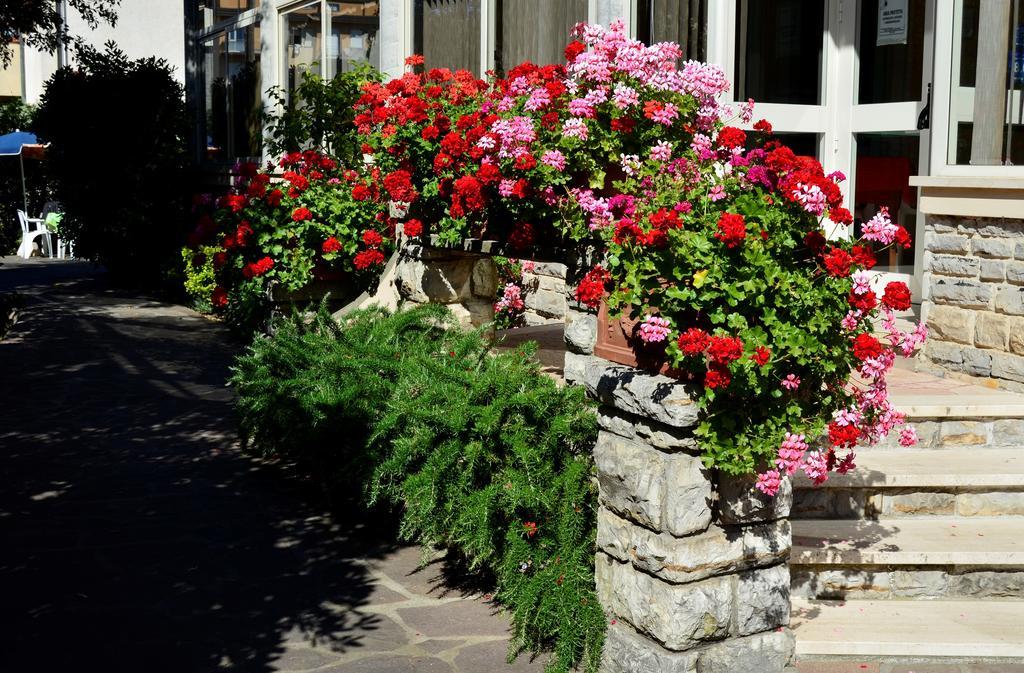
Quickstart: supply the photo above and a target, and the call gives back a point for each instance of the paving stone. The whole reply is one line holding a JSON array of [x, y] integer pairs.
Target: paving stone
[[483, 657], [457, 618], [392, 664], [434, 646], [990, 504], [304, 659]]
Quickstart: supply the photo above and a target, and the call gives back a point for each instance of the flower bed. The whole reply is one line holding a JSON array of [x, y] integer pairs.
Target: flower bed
[[319, 227]]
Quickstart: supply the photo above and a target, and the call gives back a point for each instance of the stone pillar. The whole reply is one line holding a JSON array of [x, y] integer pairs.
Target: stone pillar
[[545, 293], [467, 282], [691, 566]]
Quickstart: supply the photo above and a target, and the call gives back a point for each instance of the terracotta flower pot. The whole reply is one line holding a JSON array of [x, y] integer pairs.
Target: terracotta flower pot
[[619, 341]]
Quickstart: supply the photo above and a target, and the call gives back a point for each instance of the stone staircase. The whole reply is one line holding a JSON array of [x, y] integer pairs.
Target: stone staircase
[[919, 553]]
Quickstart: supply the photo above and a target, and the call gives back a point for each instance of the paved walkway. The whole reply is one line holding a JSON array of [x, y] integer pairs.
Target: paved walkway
[[137, 538]]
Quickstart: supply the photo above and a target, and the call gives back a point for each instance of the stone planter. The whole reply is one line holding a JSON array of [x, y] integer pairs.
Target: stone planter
[[691, 565]]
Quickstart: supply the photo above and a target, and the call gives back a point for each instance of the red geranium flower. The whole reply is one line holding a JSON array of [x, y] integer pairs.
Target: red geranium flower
[[219, 298], [274, 198], [413, 228], [368, 258], [360, 192], [863, 302], [693, 341], [761, 355], [842, 435], [763, 126], [731, 229], [371, 238], [838, 262], [331, 245], [301, 214], [866, 346], [574, 49], [591, 289], [725, 349], [525, 162], [717, 376], [897, 296], [530, 527], [731, 137]]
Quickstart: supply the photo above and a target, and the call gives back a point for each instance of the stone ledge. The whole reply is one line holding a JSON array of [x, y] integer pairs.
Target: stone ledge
[[625, 651], [689, 559], [634, 391]]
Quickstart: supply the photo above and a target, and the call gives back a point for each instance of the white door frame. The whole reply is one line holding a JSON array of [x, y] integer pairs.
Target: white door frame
[[838, 118]]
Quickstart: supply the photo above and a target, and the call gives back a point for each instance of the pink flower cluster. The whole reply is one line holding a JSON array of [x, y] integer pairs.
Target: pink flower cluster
[[654, 329], [511, 299]]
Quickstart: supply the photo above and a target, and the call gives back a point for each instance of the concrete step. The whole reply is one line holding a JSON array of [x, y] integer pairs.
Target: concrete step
[[919, 542], [913, 558], [918, 483], [943, 628]]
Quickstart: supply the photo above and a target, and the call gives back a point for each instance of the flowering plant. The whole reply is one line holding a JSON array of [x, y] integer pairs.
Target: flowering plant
[[716, 241], [510, 307], [530, 158], [306, 226]]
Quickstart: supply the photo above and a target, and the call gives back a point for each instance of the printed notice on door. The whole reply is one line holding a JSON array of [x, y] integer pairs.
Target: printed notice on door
[[892, 22]]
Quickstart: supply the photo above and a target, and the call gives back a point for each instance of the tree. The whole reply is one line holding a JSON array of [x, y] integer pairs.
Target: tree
[[39, 22]]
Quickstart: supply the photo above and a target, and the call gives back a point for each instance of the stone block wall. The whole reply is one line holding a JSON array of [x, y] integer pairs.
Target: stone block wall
[[974, 297], [464, 281], [545, 292], [691, 566]]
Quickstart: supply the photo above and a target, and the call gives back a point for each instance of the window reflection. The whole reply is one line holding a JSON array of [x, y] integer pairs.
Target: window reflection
[[232, 94], [303, 31], [885, 163], [779, 50], [522, 38], [353, 36]]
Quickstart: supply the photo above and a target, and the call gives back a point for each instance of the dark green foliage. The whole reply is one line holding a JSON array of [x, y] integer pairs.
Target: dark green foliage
[[476, 447], [318, 114], [39, 23], [116, 129]]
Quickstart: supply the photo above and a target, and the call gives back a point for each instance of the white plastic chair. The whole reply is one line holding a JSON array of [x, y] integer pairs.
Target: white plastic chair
[[31, 229]]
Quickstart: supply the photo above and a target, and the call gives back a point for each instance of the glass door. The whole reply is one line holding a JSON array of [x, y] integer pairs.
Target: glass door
[[889, 122]]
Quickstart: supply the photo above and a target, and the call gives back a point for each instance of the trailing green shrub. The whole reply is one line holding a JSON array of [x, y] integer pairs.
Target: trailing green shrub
[[117, 158], [485, 455]]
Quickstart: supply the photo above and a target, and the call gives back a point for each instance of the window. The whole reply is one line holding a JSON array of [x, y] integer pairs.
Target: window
[[779, 46], [986, 107], [303, 31], [521, 37], [891, 62], [447, 33], [213, 12], [681, 21], [232, 94], [354, 40]]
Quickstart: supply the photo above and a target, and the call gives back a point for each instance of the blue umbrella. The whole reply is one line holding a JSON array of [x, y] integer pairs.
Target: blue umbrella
[[10, 145]]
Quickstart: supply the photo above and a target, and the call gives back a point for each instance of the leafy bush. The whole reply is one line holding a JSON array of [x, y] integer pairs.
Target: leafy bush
[[117, 158], [318, 115], [306, 228], [485, 455]]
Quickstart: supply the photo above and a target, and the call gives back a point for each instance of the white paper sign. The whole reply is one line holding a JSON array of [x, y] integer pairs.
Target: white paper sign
[[892, 22]]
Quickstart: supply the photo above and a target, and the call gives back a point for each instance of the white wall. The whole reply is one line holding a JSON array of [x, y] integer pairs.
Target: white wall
[[144, 28]]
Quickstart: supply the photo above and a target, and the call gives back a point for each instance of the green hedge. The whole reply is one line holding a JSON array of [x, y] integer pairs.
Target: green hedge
[[484, 455]]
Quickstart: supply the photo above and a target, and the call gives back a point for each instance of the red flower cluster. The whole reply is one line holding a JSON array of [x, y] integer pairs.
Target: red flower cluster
[[590, 291], [863, 302], [866, 346], [717, 376], [301, 215], [762, 355], [731, 137], [838, 262], [219, 298], [731, 229], [724, 350], [693, 341], [842, 435], [258, 268], [368, 258], [399, 186], [897, 296], [331, 245], [413, 228]]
